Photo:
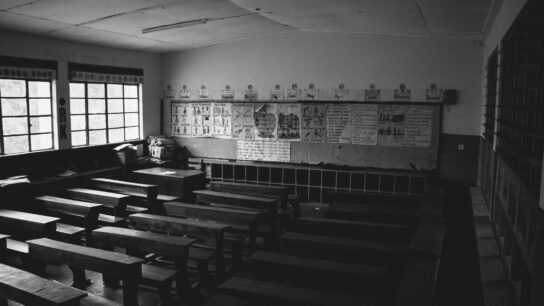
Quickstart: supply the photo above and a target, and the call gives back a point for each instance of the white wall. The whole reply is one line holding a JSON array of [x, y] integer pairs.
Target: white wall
[[328, 59], [19, 45], [507, 13]]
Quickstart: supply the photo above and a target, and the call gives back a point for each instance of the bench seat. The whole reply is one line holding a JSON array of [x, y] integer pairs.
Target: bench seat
[[95, 300], [69, 232], [109, 220]]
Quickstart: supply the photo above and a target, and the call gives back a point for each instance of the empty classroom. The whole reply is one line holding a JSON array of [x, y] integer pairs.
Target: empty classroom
[[270, 153]]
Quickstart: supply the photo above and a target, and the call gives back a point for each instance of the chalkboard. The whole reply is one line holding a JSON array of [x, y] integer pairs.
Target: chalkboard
[[392, 146]]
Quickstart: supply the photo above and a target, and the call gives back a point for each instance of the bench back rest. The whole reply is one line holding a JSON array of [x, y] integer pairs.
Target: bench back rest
[[206, 231], [237, 200], [143, 242], [226, 215], [334, 197], [116, 264], [114, 203], [71, 211], [275, 192], [151, 191]]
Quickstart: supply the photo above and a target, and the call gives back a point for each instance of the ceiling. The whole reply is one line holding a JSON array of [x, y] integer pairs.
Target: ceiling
[[119, 23]]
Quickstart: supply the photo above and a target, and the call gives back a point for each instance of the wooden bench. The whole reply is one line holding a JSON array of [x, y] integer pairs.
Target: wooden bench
[[30, 289], [114, 203], [374, 231], [144, 191], [344, 249], [23, 224], [241, 220], [429, 236], [141, 242], [340, 197], [227, 300], [73, 212], [280, 294], [372, 213], [173, 182], [3, 242], [210, 235], [321, 274], [115, 265], [417, 285], [432, 204], [266, 228]]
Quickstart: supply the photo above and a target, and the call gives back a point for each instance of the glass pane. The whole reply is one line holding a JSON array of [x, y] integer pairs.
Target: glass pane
[[131, 105], [115, 120], [97, 121], [15, 144], [96, 90], [131, 91], [41, 142], [97, 137], [77, 106], [40, 125], [39, 89], [131, 119], [97, 106], [77, 122], [77, 90], [132, 133], [40, 106], [79, 138], [14, 107], [115, 105], [12, 88], [116, 135], [15, 126], [115, 91]]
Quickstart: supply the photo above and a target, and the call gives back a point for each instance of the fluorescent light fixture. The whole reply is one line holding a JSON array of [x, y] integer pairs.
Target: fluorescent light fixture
[[175, 25]]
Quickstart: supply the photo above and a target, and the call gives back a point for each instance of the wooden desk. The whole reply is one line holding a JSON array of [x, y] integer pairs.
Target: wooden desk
[[279, 294], [3, 239], [30, 289], [117, 265], [175, 182], [27, 224]]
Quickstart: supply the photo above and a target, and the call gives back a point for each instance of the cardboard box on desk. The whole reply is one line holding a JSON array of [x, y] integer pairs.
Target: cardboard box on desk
[[162, 152], [126, 154]]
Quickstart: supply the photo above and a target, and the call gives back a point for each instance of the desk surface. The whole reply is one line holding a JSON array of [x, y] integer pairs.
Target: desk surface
[[169, 222], [169, 172], [26, 217], [25, 284]]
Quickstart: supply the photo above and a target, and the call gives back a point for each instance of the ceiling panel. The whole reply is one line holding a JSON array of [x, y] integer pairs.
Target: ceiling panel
[[395, 17], [175, 12], [24, 24], [460, 16], [87, 35], [219, 31], [6, 4], [80, 11]]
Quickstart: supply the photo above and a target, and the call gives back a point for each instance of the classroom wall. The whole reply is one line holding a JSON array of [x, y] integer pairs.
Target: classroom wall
[[506, 15], [327, 59], [20, 45]]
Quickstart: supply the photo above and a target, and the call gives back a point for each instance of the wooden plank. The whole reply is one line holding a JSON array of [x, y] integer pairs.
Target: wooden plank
[[275, 192], [111, 199], [123, 186], [351, 250], [31, 289], [334, 197], [368, 212], [69, 206], [320, 273], [227, 300], [355, 229], [176, 182], [432, 204], [429, 236], [417, 286], [95, 300], [3, 244], [244, 201], [285, 294], [27, 223], [122, 266]]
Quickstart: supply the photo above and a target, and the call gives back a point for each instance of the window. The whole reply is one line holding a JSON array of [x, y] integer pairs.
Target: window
[[26, 109], [103, 113]]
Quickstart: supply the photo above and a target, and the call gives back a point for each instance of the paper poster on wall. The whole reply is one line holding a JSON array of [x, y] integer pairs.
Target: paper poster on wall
[[364, 124], [289, 121], [265, 120], [222, 120], [391, 125], [314, 123], [242, 121], [418, 128], [181, 119], [201, 122], [278, 151], [338, 123]]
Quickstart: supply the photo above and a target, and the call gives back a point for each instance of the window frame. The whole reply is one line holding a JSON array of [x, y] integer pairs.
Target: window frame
[[28, 116], [106, 98]]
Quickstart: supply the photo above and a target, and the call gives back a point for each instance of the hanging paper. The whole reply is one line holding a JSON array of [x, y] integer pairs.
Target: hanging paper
[[391, 125], [201, 125], [243, 124], [338, 123], [418, 129], [364, 124], [314, 123], [222, 120], [265, 121], [181, 119], [289, 121]]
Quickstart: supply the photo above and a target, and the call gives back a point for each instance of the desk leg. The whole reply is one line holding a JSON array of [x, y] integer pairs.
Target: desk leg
[[130, 292], [80, 280], [252, 238], [3, 302]]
